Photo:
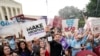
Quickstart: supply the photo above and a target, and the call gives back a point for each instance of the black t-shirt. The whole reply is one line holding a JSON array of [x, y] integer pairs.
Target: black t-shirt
[[55, 48]]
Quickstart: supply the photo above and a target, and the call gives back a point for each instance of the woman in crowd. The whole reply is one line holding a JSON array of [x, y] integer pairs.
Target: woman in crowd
[[6, 51], [23, 50], [1, 51], [76, 45], [67, 52], [90, 43], [44, 50]]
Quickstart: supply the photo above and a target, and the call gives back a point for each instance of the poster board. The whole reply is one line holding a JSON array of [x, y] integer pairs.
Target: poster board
[[34, 29], [95, 25], [70, 24]]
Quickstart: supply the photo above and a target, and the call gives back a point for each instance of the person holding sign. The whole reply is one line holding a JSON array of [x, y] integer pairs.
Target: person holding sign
[[55, 46], [76, 45]]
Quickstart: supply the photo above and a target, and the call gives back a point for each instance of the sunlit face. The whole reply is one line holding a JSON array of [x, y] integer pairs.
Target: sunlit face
[[57, 37], [30, 43], [42, 44], [6, 50], [66, 52], [22, 45]]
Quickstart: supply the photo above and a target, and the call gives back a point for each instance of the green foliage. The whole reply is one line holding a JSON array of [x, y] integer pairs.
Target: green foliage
[[93, 8], [81, 23], [70, 12]]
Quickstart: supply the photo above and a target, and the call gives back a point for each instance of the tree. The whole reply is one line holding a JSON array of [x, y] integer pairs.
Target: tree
[[93, 8], [70, 12]]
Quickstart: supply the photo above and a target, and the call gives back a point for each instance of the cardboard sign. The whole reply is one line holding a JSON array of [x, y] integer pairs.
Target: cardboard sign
[[34, 29], [95, 25], [70, 24]]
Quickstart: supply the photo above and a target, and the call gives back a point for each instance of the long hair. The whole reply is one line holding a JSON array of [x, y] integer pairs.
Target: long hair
[[3, 50], [20, 49]]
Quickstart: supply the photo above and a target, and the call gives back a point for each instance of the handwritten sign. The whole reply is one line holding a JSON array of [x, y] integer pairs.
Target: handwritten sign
[[70, 24]]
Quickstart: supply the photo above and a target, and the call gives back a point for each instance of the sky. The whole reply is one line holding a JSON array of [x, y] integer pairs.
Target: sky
[[49, 7]]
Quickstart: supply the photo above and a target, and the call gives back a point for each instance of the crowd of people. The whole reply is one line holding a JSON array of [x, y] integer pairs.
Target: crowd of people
[[52, 44]]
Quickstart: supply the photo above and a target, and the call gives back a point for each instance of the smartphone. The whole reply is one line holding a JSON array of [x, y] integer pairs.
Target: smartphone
[[50, 38]]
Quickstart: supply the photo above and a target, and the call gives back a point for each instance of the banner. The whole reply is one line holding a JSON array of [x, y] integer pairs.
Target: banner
[[95, 25], [10, 30], [6, 23], [34, 29], [70, 24]]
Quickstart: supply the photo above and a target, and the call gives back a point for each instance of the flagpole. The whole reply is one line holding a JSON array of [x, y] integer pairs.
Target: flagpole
[[47, 10]]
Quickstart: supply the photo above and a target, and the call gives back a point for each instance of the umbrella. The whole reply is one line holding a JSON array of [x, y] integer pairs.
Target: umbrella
[[85, 53]]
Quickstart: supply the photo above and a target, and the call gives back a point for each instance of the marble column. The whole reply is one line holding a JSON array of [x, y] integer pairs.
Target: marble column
[[2, 14], [16, 11], [8, 15], [12, 12], [21, 12]]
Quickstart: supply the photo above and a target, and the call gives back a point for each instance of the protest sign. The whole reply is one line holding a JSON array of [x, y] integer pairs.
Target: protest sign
[[95, 25], [10, 30], [64, 43], [70, 24], [57, 22], [6, 23], [34, 29], [88, 23]]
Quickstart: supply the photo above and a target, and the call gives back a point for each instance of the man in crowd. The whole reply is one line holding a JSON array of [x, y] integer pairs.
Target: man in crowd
[[55, 46]]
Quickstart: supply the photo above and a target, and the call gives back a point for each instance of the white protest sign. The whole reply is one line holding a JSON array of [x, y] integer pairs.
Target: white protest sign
[[95, 25], [10, 30], [70, 24], [88, 23], [34, 29], [6, 22]]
